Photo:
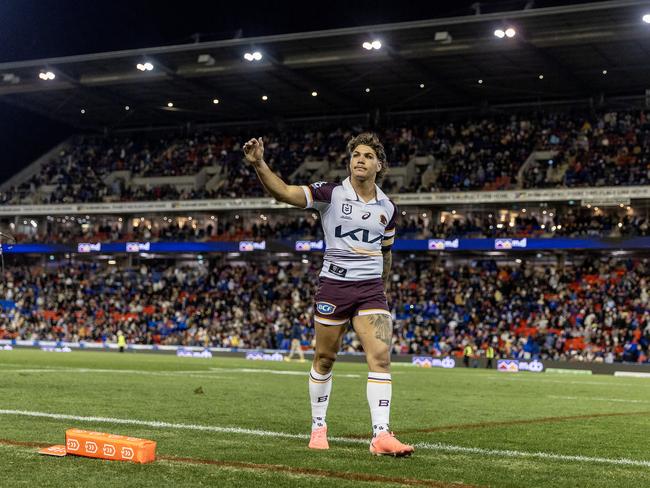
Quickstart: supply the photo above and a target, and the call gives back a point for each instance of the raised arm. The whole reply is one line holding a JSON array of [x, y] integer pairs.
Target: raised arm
[[291, 194]]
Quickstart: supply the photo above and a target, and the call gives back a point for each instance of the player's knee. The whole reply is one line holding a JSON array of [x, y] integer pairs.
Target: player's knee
[[379, 362], [323, 362]]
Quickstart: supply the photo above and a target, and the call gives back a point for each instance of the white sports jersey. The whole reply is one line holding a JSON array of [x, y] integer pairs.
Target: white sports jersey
[[355, 231]]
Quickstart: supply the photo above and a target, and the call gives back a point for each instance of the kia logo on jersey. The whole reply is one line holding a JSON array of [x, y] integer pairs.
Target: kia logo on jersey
[[366, 216], [365, 235], [346, 209]]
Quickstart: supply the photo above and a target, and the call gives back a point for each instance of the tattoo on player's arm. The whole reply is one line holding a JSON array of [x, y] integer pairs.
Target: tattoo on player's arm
[[388, 262], [383, 325]]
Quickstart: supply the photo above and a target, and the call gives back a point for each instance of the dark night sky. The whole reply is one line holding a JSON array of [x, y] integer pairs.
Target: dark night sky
[[31, 29]]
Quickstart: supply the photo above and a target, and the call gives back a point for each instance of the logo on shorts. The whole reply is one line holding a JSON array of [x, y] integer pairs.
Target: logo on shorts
[[337, 270], [325, 308], [366, 216], [346, 208]]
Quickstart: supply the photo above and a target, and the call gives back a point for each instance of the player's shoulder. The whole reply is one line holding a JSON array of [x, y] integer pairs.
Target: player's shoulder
[[320, 191], [323, 184], [389, 205]]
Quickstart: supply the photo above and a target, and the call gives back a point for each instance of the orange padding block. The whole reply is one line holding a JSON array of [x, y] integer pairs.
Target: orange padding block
[[109, 446]]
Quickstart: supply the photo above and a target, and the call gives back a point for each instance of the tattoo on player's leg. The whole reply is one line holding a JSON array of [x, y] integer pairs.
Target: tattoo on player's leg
[[383, 328]]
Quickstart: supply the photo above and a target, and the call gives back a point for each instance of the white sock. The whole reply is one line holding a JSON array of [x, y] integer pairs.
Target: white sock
[[379, 393], [320, 387]]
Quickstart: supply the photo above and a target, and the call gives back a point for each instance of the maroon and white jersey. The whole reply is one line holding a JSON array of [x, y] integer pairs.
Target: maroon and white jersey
[[355, 231]]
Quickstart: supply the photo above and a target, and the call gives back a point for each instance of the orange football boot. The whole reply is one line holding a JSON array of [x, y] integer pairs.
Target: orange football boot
[[385, 444], [319, 439]]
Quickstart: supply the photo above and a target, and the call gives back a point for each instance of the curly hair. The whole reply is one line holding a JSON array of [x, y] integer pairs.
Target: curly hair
[[371, 140]]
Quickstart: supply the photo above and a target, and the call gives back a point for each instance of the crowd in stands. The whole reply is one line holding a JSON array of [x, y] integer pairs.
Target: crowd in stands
[[596, 310], [606, 150], [568, 222], [232, 227], [562, 222], [603, 149]]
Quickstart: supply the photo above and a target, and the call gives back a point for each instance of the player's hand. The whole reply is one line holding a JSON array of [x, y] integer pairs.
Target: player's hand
[[254, 151]]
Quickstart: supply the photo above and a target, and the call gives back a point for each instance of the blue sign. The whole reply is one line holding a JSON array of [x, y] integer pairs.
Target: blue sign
[[424, 245]]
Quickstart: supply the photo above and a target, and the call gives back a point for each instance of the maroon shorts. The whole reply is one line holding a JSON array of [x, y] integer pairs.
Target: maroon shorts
[[337, 301]]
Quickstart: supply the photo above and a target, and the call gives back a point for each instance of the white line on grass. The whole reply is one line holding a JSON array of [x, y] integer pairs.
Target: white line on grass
[[285, 435], [534, 455], [535, 379], [212, 372], [289, 372], [597, 399], [184, 374]]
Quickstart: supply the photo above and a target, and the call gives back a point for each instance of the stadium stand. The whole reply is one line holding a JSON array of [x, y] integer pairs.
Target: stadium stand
[[563, 220], [585, 311], [540, 150]]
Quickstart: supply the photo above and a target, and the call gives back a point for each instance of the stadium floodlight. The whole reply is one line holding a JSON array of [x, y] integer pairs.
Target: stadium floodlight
[[604, 71], [541, 77], [83, 111], [265, 98], [254, 56], [170, 104], [480, 82], [500, 33], [127, 108], [144, 66], [314, 94], [46, 75], [646, 18], [421, 85], [215, 101], [370, 45], [367, 90], [511, 32]]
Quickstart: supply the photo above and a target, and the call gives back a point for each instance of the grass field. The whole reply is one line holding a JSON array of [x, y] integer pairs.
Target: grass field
[[250, 424]]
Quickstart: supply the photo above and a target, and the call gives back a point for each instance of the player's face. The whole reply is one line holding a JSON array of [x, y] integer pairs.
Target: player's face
[[364, 163]]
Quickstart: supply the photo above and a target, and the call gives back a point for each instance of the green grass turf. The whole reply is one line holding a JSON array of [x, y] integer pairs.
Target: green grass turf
[[161, 387]]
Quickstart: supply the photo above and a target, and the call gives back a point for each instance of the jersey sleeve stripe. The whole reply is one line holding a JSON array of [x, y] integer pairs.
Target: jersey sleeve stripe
[[309, 196]]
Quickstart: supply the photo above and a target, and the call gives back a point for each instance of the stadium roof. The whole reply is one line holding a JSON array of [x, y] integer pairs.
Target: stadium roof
[[588, 50]]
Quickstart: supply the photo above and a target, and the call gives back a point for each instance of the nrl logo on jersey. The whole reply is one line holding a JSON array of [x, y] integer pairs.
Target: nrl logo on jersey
[[346, 208]]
